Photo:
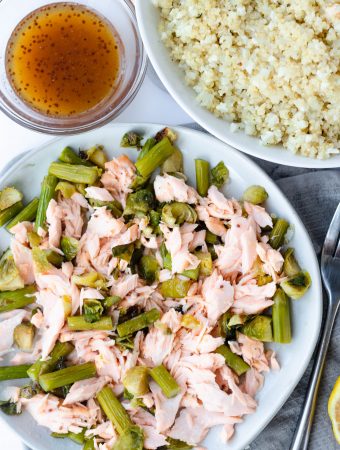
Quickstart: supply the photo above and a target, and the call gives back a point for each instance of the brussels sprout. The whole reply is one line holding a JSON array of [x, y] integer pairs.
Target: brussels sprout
[[219, 174], [189, 321], [67, 303], [90, 279], [10, 279], [97, 156], [131, 139], [175, 288], [174, 163], [131, 439], [255, 194], [40, 261], [260, 328], [139, 203], [193, 274], [136, 381], [211, 238], [69, 247], [114, 206], [66, 188], [23, 336], [8, 197], [54, 258], [9, 408], [93, 309], [177, 213], [290, 265], [28, 391], [206, 265], [148, 268], [123, 252], [176, 444], [34, 239], [166, 132], [297, 285]]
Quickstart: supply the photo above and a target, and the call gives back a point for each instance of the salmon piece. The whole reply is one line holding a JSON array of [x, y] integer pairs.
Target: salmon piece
[[103, 224], [253, 382], [48, 411], [252, 352], [227, 432], [271, 258], [169, 189], [124, 285], [129, 236], [215, 226], [216, 205], [271, 358], [54, 214], [38, 319], [8, 321], [118, 177], [84, 390], [198, 241], [218, 295], [193, 424], [72, 218], [81, 200], [20, 231], [259, 214], [165, 408], [253, 299], [152, 438], [22, 256], [104, 430], [98, 193], [67, 336]]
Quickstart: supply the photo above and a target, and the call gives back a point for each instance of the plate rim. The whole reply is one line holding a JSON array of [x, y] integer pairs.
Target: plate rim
[[294, 160], [244, 158]]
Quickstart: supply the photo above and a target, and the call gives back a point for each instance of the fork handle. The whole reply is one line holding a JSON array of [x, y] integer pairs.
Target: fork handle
[[302, 432]]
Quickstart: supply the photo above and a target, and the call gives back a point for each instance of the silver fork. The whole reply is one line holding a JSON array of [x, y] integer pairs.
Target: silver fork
[[330, 270]]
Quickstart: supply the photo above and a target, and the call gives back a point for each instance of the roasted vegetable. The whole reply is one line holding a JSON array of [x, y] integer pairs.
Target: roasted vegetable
[[10, 279], [219, 174], [136, 380], [297, 285], [23, 336], [260, 328], [255, 194], [177, 213]]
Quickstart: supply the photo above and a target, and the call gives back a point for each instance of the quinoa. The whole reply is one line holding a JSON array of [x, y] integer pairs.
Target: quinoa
[[270, 67]]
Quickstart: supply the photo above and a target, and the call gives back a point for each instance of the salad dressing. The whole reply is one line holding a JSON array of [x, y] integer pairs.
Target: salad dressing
[[63, 59]]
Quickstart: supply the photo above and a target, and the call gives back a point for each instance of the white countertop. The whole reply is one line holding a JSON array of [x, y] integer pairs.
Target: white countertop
[[151, 104]]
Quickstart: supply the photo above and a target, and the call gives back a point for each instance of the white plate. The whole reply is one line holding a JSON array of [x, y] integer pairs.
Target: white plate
[[173, 79], [27, 175]]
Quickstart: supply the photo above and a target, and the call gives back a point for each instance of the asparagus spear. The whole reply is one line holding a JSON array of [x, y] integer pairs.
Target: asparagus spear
[[7, 214], [154, 158], [79, 323], [276, 237], [138, 322], [47, 193], [234, 361], [75, 173], [27, 214], [281, 318], [114, 410], [13, 372], [78, 438], [202, 176], [10, 300], [61, 350], [165, 380], [63, 377]]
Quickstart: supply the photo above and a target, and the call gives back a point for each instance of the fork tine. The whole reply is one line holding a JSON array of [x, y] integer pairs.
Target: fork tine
[[337, 251], [332, 235]]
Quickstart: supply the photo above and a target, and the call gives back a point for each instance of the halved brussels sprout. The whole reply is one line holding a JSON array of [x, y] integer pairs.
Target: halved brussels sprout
[[255, 194], [259, 328], [136, 381], [148, 268], [23, 336], [174, 163], [10, 279], [297, 285], [8, 197], [177, 213], [290, 265]]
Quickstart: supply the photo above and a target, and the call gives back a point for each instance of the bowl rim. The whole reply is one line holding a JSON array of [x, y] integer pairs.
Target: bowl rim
[[155, 48], [131, 93], [317, 285]]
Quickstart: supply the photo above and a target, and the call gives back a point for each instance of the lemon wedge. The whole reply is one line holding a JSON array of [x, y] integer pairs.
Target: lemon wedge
[[334, 409]]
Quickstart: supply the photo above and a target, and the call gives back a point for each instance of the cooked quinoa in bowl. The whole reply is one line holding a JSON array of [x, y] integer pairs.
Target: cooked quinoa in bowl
[[269, 67]]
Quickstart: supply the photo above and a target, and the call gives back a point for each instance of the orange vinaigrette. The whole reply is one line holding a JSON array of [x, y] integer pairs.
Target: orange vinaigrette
[[63, 59]]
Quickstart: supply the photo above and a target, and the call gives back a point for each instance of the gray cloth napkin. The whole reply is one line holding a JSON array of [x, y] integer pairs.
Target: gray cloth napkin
[[315, 194]]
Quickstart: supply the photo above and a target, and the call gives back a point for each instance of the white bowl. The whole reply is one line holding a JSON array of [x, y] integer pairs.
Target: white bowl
[[27, 174], [173, 79]]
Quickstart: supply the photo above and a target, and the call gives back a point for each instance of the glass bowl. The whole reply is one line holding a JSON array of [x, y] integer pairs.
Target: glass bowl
[[120, 14]]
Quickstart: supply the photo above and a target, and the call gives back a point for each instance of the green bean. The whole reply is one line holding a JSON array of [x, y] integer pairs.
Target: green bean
[[202, 176], [48, 186], [63, 377], [138, 323], [28, 213], [281, 318], [75, 173], [232, 360], [165, 381]]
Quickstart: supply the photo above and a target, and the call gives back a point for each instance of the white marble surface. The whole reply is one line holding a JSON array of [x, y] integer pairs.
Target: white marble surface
[[151, 104]]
